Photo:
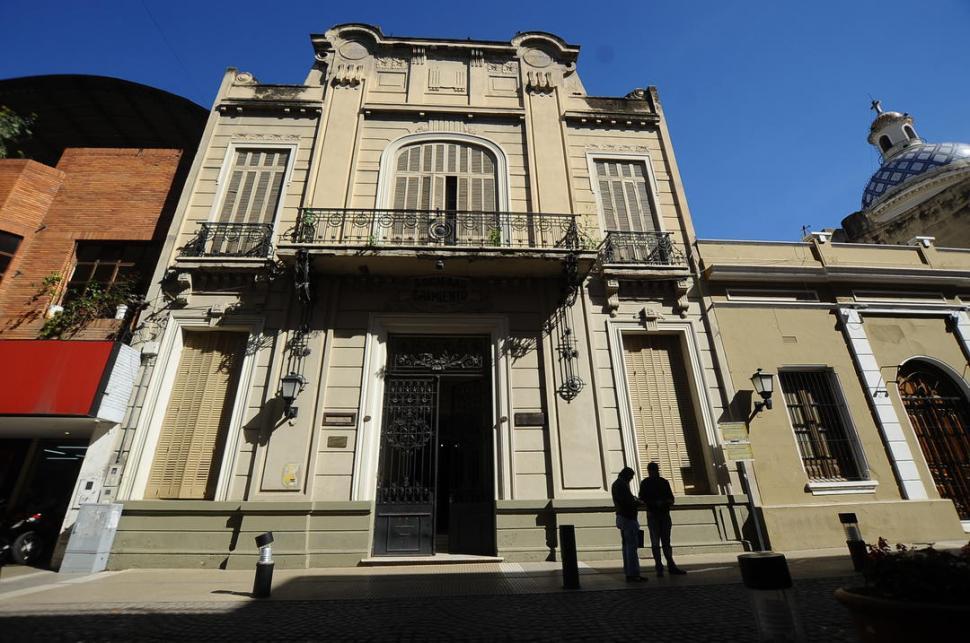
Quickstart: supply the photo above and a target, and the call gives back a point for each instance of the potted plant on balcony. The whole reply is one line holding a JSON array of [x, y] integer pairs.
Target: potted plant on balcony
[[911, 595]]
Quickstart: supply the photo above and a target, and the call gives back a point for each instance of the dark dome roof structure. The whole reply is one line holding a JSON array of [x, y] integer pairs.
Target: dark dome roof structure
[[907, 166], [77, 110]]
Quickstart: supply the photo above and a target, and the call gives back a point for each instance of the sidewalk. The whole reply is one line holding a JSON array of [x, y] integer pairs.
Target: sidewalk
[[31, 591]]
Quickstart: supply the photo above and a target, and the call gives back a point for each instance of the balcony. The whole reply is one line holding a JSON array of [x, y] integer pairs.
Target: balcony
[[462, 242], [655, 249], [231, 240], [438, 229]]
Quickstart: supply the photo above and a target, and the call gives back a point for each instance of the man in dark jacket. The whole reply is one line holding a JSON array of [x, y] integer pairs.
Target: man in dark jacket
[[656, 494], [627, 506]]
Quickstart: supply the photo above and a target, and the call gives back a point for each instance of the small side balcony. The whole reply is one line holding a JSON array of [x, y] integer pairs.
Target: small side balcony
[[233, 243], [628, 249], [456, 241]]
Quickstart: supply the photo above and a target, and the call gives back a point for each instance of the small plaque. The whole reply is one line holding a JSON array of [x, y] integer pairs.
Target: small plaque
[[530, 419], [733, 431], [336, 441], [738, 451], [339, 419]]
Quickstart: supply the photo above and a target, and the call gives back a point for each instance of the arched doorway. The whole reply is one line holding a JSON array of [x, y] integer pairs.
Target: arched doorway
[[938, 411]]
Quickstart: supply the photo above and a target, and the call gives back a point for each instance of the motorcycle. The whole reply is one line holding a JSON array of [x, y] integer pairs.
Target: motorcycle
[[24, 539]]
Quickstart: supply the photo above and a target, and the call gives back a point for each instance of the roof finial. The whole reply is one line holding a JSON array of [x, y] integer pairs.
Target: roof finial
[[876, 106]]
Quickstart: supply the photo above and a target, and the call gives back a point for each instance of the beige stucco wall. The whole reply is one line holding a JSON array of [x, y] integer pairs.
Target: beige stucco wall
[[896, 339], [775, 338]]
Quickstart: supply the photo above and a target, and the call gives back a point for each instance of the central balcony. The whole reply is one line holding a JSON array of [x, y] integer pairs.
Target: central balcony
[[372, 241], [438, 229]]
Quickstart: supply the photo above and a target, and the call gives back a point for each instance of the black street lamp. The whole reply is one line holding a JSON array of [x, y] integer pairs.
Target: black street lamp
[[290, 386], [763, 385]]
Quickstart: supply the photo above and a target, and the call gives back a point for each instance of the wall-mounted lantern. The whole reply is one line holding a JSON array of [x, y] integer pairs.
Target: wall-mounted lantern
[[290, 386], [764, 384]]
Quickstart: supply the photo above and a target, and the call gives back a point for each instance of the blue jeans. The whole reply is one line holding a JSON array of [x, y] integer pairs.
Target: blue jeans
[[629, 531]]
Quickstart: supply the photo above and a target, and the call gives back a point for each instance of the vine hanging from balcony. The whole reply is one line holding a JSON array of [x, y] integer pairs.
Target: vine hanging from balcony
[[96, 301]]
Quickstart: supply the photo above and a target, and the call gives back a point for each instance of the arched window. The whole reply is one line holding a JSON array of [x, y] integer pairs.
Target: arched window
[[938, 411], [445, 175], [909, 132], [884, 143]]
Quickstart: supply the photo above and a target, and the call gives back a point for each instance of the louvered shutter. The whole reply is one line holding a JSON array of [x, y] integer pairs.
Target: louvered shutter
[[663, 417], [625, 196], [254, 187], [196, 421]]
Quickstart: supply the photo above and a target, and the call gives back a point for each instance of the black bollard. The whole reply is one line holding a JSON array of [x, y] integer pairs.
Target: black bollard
[[853, 540], [768, 580], [263, 583], [570, 561]]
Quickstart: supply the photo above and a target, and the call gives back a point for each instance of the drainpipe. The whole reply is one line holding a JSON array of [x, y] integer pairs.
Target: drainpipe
[[754, 501]]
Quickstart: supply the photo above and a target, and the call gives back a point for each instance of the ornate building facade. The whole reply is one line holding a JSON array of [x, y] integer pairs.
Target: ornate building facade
[[432, 300]]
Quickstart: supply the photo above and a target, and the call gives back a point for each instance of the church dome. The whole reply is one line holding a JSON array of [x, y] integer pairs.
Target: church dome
[[907, 166]]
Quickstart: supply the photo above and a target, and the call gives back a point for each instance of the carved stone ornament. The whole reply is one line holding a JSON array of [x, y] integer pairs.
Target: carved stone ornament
[[681, 287], [352, 50], [537, 58], [612, 296], [507, 67], [649, 317], [267, 138], [245, 78], [418, 56], [638, 94], [476, 58], [539, 82], [385, 63], [347, 75], [618, 148]]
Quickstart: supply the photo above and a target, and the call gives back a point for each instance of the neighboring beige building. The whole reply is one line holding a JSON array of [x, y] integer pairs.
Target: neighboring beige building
[[482, 275], [483, 284], [869, 345]]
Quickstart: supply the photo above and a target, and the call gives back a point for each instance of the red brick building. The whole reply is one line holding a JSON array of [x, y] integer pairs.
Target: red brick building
[[82, 221]]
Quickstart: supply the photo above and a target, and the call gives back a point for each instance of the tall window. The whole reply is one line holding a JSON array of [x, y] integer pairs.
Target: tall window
[[8, 248], [884, 143], [109, 264], [626, 196], [255, 185], [819, 419], [445, 176]]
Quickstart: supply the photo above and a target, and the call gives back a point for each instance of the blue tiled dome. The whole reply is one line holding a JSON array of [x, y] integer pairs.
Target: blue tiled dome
[[911, 163]]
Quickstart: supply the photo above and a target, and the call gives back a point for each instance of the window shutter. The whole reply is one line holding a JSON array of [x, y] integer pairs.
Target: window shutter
[[627, 204], [418, 186], [662, 411], [254, 187], [197, 418]]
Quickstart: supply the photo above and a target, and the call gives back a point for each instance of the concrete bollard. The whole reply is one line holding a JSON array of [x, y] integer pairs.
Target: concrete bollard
[[768, 580], [570, 561], [263, 582]]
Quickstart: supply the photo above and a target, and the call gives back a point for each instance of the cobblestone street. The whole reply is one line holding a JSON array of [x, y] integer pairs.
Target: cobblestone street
[[655, 612]]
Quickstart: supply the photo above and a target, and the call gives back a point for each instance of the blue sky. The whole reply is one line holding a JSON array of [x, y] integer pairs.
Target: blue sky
[[767, 101]]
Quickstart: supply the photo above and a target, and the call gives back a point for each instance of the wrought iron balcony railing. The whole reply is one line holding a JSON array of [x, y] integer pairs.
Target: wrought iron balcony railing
[[652, 248], [231, 240], [437, 229]]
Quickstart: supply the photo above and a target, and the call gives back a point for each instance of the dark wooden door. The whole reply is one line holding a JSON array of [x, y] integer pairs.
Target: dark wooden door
[[937, 409], [465, 473]]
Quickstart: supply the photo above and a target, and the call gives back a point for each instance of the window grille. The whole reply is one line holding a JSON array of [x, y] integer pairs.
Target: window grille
[[818, 417]]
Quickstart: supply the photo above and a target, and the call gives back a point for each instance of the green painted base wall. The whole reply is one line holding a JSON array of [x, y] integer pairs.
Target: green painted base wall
[[220, 535]]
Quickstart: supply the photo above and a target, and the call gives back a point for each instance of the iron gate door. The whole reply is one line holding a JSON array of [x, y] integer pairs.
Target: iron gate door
[[937, 410], [404, 522]]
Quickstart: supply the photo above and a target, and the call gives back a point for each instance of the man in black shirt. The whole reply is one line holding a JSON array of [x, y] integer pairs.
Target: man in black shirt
[[626, 505], [656, 494]]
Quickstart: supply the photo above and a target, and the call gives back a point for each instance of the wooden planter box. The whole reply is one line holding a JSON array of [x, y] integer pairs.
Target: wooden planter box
[[881, 620]]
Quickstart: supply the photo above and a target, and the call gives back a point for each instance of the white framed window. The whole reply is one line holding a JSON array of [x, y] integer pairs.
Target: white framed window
[[253, 184], [445, 175], [827, 442], [626, 192]]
